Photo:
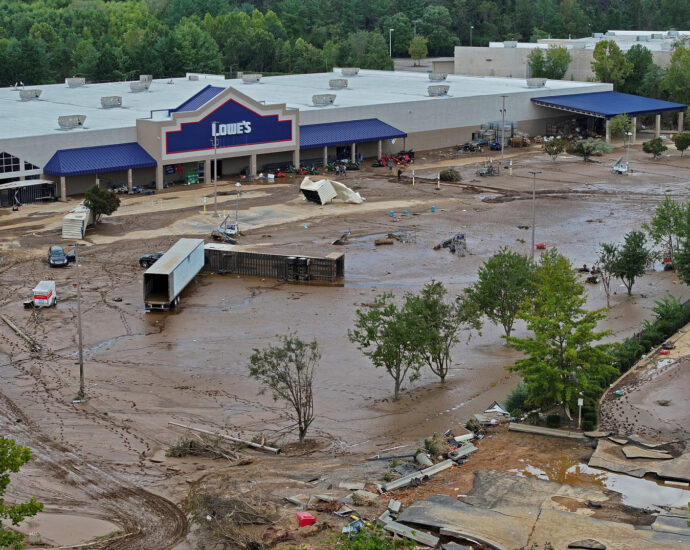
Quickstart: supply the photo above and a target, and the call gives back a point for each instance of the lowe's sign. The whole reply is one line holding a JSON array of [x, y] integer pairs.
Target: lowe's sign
[[231, 125]]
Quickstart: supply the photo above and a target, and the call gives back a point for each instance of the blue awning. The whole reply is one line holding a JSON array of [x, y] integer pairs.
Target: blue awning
[[607, 104], [94, 160], [343, 133], [199, 99]]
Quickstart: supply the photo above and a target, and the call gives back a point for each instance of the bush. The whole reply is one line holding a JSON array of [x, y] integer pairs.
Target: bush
[[436, 445], [587, 426], [517, 399], [654, 147], [553, 421], [450, 174]]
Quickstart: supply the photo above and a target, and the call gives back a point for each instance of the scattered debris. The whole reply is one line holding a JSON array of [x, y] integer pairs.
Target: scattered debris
[[456, 244], [462, 452], [379, 242], [305, 518], [229, 438], [351, 485], [394, 506], [364, 498], [35, 346], [597, 434], [609, 456], [418, 536], [300, 501], [423, 459], [418, 476], [324, 191], [645, 442], [200, 446]]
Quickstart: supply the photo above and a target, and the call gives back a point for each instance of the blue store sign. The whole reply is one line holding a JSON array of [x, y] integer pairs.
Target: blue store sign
[[234, 125]]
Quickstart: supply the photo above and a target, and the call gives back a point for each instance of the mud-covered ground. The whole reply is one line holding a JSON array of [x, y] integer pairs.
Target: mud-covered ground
[[190, 366]]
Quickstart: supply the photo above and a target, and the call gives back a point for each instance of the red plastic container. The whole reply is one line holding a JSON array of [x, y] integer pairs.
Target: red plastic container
[[305, 518]]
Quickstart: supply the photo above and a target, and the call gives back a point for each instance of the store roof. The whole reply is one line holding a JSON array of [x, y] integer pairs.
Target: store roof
[[199, 99], [94, 160], [351, 131], [607, 104]]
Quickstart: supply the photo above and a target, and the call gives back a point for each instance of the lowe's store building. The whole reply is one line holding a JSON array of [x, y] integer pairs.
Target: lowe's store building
[[69, 136]]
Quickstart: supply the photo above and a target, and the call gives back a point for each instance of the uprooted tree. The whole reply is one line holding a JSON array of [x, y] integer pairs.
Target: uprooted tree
[[12, 458], [101, 202], [287, 371], [561, 360]]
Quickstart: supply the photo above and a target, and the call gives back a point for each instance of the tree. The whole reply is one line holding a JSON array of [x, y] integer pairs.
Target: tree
[[654, 147], [383, 332], [536, 63], [682, 142], [554, 147], [609, 64], [620, 125], [668, 226], [676, 82], [608, 256], [556, 62], [587, 147], [417, 48], [101, 202], [640, 58], [505, 282], [436, 324], [562, 362], [12, 458], [287, 371], [632, 259]]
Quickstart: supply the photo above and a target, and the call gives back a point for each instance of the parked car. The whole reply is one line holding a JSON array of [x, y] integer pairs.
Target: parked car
[[58, 258], [147, 260]]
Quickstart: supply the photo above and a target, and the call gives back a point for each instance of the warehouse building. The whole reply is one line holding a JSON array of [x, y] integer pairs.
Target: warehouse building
[[149, 131]]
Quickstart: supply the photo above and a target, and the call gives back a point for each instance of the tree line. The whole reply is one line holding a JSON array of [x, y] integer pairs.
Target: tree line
[[48, 40]]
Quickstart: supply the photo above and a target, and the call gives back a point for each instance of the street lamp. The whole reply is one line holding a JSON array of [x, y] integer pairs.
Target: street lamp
[[627, 155], [471, 29], [415, 25], [503, 127], [238, 185], [81, 395], [390, 42], [534, 200], [215, 168]]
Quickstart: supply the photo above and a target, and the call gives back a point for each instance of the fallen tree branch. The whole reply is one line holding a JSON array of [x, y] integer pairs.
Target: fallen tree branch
[[229, 438]]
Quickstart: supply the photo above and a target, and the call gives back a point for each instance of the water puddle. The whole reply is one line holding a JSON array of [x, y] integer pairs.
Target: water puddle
[[65, 529], [641, 493]]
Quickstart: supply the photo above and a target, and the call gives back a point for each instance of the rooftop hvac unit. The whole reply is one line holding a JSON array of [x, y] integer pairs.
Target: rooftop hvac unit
[[439, 90], [139, 86], [598, 35], [193, 77], [146, 78], [657, 36], [437, 76], [536, 82], [643, 38], [75, 81], [251, 78], [579, 46], [349, 71], [510, 44], [71, 121], [110, 101], [323, 99], [673, 34], [337, 83], [29, 94]]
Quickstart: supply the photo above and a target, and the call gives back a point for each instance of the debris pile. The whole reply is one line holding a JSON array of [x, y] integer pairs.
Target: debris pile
[[325, 190]]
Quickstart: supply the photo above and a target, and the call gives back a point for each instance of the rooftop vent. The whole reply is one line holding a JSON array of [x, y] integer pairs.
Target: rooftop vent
[[657, 36], [139, 86], [193, 77], [510, 44], [579, 46], [71, 121], [146, 78], [338, 83], [643, 38], [438, 90], [437, 76], [323, 99], [29, 94], [75, 81], [673, 34], [598, 35], [110, 101], [536, 82], [349, 71], [251, 78]]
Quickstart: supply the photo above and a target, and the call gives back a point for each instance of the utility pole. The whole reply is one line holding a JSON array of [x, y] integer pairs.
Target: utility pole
[[238, 185], [390, 42], [81, 396], [415, 25], [503, 127], [215, 168], [471, 29], [534, 201], [627, 156]]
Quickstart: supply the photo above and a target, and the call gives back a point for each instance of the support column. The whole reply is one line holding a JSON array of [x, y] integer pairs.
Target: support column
[[608, 131], [657, 125], [634, 129], [680, 122], [380, 154], [129, 180], [98, 181], [207, 171], [353, 153], [325, 156], [63, 189], [159, 176], [295, 158], [252, 165]]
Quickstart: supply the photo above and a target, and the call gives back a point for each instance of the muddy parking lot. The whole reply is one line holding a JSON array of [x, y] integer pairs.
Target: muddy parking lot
[[190, 365]]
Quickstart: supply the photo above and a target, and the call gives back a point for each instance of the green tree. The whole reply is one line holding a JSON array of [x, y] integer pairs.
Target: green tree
[[641, 61], [196, 49], [609, 64], [562, 360], [587, 147], [682, 142], [536, 63], [436, 324], [608, 258], [676, 82], [12, 458], [287, 371], [505, 281], [620, 124], [417, 48], [632, 259], [384, 334], [554, 147], [668, 226], [101, 202], [402, 34], [557, 60], [654, 147]]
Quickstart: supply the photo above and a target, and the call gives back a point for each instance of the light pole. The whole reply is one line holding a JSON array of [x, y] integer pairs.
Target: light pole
[[534, 200], [81, 396], [215, 168], [238, 185], [503, 127], [415, 25], [627, 155], [390, 42], [471, 29]]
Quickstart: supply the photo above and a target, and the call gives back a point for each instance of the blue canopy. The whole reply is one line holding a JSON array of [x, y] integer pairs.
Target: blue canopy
[[343, 133], [102, 158], [199, 99], [607, 104]]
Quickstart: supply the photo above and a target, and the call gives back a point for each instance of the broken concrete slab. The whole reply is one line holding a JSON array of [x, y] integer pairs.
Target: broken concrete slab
[[384, 518], [366, 497], [300, 501], [587, 544], [418, 536], [351, 485], [444, 532], [455, 546], [609, 456], [619, 440], [394, 506], [672, 524], [462, 452], [597, 434], [406, 468], [417, 477], [676, 483], [540, 430], [645, 442], [633, 451]]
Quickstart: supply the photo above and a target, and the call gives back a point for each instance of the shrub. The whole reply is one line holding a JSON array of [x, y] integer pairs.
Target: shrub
[[654, 147], [473, 426], [436, 445], [587, 426], [450, 174], [553, 421], [517, 399]]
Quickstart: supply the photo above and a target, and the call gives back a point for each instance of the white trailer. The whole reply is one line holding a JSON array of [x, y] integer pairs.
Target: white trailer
[[44, 295], [167, 278]]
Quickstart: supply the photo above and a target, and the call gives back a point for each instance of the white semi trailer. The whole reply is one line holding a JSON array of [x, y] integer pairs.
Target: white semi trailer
[[166, 279]]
